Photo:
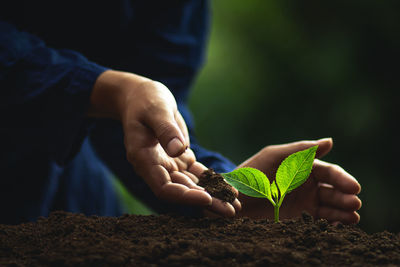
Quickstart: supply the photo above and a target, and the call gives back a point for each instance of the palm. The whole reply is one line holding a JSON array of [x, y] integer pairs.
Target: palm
[[153, 164], [304, 198], [153, 155], [173, 178]]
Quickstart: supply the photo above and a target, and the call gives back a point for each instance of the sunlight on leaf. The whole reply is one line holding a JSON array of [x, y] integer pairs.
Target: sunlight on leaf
[[295, 169], [250, 182]]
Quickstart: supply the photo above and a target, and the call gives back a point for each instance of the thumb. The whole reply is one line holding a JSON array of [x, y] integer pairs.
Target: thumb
[[324, 146], [165, 127]]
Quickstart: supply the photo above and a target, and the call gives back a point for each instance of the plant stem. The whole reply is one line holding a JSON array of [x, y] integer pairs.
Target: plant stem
[[276, 213]]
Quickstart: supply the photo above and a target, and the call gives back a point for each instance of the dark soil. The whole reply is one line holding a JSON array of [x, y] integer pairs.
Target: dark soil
[[216, 186], [66, 239]]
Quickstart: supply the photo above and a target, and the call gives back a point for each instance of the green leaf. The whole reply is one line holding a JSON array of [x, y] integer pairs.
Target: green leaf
[[274, 191], [294, 170], [250, 182]]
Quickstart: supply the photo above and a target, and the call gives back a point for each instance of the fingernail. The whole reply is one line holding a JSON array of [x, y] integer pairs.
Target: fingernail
[[174, 146]]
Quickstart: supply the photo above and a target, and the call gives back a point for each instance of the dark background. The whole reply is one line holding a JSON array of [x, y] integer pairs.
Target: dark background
[[282, 71]]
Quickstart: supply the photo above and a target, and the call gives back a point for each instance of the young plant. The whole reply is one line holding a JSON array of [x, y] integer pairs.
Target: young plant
[[292, 173]]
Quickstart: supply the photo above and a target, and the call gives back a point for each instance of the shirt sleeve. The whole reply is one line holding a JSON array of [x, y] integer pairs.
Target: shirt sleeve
[[44, 94]]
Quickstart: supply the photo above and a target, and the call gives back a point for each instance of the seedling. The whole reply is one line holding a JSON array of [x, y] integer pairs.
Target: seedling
[[293, 172]]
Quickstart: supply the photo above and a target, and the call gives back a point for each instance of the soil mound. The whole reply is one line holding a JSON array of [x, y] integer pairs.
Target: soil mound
[[66, 239]]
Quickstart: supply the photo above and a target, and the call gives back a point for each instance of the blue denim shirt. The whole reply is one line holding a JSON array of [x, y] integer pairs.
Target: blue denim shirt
[[51, 52]]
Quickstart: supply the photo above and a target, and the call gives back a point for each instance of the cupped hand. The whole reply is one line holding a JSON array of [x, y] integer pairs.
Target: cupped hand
[[156, 138], [330, 192]]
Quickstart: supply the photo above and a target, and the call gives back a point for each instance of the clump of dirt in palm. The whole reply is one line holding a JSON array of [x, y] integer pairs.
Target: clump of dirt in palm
[[216, 186]]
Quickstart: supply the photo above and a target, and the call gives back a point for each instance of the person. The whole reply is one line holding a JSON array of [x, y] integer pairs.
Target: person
[[93, 90]]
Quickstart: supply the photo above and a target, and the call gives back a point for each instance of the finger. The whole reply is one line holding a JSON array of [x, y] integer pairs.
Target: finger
[[235, 191], [181, 178], [336, 199], [237, 205], [197, 168], [178, 193], [162, 121], [324, 146], [222, 208], [185, 160], [191, 176], [212, 212], [335, 175], [182, 125], [148, 156], [334, 215], [160, 183]]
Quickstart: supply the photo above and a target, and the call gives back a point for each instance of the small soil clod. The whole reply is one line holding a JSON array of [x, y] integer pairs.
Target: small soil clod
[[216, 186]]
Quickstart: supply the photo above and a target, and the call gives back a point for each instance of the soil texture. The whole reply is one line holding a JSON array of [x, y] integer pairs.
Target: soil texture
[[66, 239], [216, 186]]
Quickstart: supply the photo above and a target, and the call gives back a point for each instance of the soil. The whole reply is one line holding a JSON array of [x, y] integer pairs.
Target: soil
[[66, 239], [216, 186]]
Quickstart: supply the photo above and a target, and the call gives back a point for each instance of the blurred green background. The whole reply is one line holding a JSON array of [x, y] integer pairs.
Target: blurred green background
[[281, 71]]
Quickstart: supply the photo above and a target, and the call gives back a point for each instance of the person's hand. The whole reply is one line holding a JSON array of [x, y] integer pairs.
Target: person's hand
[[156, 138], [329, 193]]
